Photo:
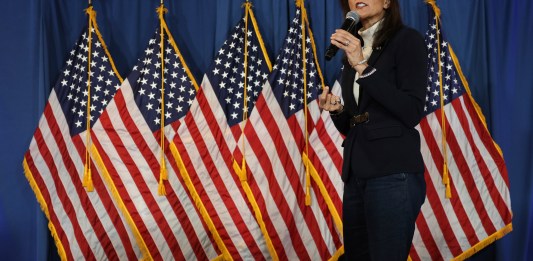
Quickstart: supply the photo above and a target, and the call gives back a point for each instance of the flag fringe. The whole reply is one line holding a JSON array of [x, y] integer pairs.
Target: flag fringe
[[44, 207], [337, 254], [182, 169], [198, 202], [241, 172], [484, 243], [325, 195], [467, 88], [104, 173], [509, 227], [219, 258]]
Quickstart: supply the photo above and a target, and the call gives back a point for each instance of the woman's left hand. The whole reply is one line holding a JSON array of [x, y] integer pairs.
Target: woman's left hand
[[329, 102]]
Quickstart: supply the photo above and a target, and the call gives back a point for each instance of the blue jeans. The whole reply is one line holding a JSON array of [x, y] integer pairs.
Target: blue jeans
[[379, 216]]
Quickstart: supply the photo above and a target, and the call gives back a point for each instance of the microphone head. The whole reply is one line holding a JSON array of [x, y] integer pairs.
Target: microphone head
[[353, 15], [352, 18]]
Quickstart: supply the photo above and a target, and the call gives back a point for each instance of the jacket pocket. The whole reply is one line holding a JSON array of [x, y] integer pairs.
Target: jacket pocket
[[383, 132]]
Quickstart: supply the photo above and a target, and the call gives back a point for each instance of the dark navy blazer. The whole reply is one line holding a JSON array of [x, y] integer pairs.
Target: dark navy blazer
[[394, 98]]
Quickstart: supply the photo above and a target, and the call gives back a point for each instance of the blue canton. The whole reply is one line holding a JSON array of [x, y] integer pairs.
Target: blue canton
[[227, 75], [287, 79], [145, 81], [71, 87], [452, 86]]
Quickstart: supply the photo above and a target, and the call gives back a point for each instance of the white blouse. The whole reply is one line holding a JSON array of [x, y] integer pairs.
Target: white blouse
[[368, 38]]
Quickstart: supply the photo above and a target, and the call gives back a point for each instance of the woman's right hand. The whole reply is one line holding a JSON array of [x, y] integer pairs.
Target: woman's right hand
[[352, 47], [328, 101]]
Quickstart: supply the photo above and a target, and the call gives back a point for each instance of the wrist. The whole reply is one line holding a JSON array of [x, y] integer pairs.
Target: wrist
[[360, 68], [338, 111]]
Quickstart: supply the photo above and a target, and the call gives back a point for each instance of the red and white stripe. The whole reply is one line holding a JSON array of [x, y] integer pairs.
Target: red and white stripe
[[170, 226], [206, 144], [274, 158], [89, 225], [326, 151], [480, 205]]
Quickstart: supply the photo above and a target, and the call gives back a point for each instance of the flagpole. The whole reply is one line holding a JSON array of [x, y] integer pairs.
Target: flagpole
[[300, 4], [87, 177], [245, 102], [163, 170], [241, 171], [445, 172], [312, 170]]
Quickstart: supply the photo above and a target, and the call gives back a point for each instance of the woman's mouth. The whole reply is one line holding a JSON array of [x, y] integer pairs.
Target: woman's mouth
[[360, 5]]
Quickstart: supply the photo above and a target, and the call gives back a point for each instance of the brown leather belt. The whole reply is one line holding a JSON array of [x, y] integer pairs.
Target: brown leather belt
[[358, 119]]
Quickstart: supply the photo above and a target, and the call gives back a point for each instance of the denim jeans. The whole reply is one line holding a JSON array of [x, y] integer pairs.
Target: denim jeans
[[379, 216]]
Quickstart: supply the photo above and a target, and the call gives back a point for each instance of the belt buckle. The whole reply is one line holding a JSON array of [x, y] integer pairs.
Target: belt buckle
[[359, 119]]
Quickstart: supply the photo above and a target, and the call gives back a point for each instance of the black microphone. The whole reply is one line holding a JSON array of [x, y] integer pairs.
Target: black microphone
[[352, 18]]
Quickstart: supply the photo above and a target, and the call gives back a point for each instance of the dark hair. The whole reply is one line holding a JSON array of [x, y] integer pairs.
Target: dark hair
[[392, 22]]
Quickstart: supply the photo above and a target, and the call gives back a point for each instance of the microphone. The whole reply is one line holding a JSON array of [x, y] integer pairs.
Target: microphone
[[352, 18]]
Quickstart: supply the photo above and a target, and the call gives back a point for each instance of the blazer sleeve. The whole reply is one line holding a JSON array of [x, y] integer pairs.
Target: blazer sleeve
[[406, 99], [341, 122]]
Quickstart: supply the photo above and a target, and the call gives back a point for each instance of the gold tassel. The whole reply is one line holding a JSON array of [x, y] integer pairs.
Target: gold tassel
[[161, 189], [446, 181], [87, 179], [242, 174], [164, 173], [85, 175], [307, 182]]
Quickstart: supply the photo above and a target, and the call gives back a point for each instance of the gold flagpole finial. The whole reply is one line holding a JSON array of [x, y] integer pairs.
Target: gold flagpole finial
[[434, 6]]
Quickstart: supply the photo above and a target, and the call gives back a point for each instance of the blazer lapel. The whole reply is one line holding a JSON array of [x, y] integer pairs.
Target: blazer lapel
[[348, 76], [363, 101]]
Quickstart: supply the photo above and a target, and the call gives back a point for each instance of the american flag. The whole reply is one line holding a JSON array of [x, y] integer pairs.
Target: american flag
[[128, 136], [209, 139], [479, 209], [281, 143], [85, 225]]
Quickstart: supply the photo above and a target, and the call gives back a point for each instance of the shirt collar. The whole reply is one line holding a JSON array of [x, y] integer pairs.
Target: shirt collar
[[368, 34]]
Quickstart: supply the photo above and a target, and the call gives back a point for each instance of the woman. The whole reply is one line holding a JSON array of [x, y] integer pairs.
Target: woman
[[383, 90]]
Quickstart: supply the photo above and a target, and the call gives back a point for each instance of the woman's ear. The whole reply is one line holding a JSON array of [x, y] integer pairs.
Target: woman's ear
[[386, 4]]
